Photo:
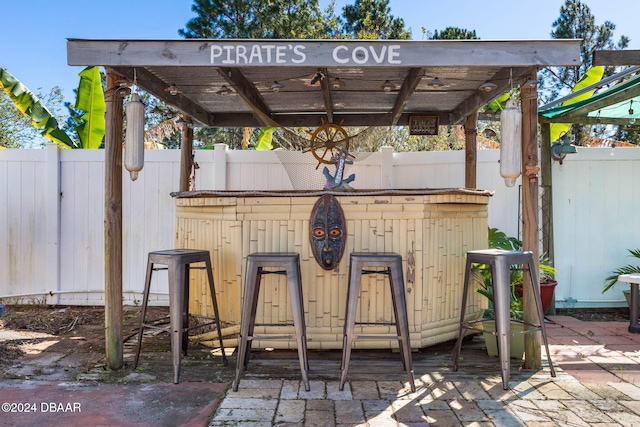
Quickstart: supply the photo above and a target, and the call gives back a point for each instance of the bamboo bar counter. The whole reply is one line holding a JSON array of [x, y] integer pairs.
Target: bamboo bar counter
[[431, 229]]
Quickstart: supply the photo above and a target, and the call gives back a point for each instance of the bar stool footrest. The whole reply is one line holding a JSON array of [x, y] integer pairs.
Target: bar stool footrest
[[269, 337], [378, 337]]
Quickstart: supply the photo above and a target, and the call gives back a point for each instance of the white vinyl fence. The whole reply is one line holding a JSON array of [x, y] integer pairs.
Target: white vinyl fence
[[52, 212]]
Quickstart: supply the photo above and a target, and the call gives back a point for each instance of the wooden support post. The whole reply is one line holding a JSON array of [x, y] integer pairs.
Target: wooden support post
[[471, 148], [530, 172], [186, 148], [113, 226]]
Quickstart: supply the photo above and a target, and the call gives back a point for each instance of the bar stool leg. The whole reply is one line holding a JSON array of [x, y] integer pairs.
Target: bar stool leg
[[463, 309], [294, 283], [214, 301], [402, 321], [185, 310], [633, 310], [355, 275], [143, 313], [176, 309], [255, 294], [502, 311], [249, 303], [536, 292]]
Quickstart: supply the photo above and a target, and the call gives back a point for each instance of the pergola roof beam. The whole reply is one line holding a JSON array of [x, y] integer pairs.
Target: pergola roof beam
[[152, 84], [408, 87], [504, 80], [248, 93]]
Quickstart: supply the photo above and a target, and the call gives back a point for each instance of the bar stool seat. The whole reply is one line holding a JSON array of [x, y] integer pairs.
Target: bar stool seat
[[500, 262], [178, 263], [256, 262], [391, 264]]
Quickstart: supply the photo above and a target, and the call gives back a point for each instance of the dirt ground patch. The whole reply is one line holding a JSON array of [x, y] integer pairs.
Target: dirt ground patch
[[69, 324], [596, 315], [77, 329]]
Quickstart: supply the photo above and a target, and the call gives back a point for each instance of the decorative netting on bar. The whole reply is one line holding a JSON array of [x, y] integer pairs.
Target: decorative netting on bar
[[305, 173], [318, 165]]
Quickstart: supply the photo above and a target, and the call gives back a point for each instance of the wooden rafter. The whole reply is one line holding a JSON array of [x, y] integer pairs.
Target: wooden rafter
[[326, 94], [247, 91], [152, 84], [408, 87], [503, 79], [616, 57]]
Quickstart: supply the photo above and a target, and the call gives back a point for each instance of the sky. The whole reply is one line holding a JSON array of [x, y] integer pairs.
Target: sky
[[36, 31]]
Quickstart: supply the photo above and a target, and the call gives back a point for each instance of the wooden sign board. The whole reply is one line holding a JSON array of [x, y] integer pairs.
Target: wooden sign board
[[423, 125]]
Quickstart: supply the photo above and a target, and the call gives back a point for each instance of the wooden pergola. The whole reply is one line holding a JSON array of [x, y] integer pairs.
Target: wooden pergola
[[289, 83]]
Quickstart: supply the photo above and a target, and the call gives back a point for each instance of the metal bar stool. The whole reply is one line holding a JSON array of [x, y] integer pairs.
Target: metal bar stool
[[177, 263], [392, 268], [500, 262], [256, 263]]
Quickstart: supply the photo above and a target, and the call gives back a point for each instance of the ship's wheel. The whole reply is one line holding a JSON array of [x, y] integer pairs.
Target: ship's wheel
[[327, 140]]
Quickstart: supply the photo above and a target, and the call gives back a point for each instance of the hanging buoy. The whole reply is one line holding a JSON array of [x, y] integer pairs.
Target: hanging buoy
[[134, 139], [511, 143]]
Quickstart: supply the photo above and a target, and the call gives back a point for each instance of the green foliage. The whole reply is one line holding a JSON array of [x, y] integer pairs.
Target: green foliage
[[265, 138], [16, 130], [372, 19], [498, 103], [275, 19], [591, 76], [454, 33], [627, 269], [31, 106], [577, 22], [90, 100]]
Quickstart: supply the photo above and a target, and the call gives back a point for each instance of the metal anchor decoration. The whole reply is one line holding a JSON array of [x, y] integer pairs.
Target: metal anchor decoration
[[337, 181]]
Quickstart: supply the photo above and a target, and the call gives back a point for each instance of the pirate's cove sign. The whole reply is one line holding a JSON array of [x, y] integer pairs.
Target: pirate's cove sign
[[300, 54]]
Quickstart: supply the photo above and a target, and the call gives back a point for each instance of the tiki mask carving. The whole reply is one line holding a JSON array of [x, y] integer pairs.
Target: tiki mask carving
[[328, 231]]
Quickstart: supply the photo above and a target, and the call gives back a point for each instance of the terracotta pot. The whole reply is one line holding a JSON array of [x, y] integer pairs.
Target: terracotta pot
[[546, 293]]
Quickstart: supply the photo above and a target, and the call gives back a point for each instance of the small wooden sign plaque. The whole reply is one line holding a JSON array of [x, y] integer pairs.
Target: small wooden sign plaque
[[423, 125]]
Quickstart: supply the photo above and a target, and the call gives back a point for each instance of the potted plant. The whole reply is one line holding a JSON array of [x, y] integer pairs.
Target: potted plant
[[547, 280], [611, 280]]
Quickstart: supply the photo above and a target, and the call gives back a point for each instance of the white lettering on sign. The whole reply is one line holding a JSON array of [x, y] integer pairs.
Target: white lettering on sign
[[363, 54], [258, 54]]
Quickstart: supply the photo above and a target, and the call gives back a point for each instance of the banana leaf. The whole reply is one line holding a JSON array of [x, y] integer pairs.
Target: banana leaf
[[593, 75], [90, 99], [265, 138], [499, 103], [31, 106]]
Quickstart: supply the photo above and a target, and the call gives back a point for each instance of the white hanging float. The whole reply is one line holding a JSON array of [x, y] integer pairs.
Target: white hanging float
[[134, 139], [511, 143]]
